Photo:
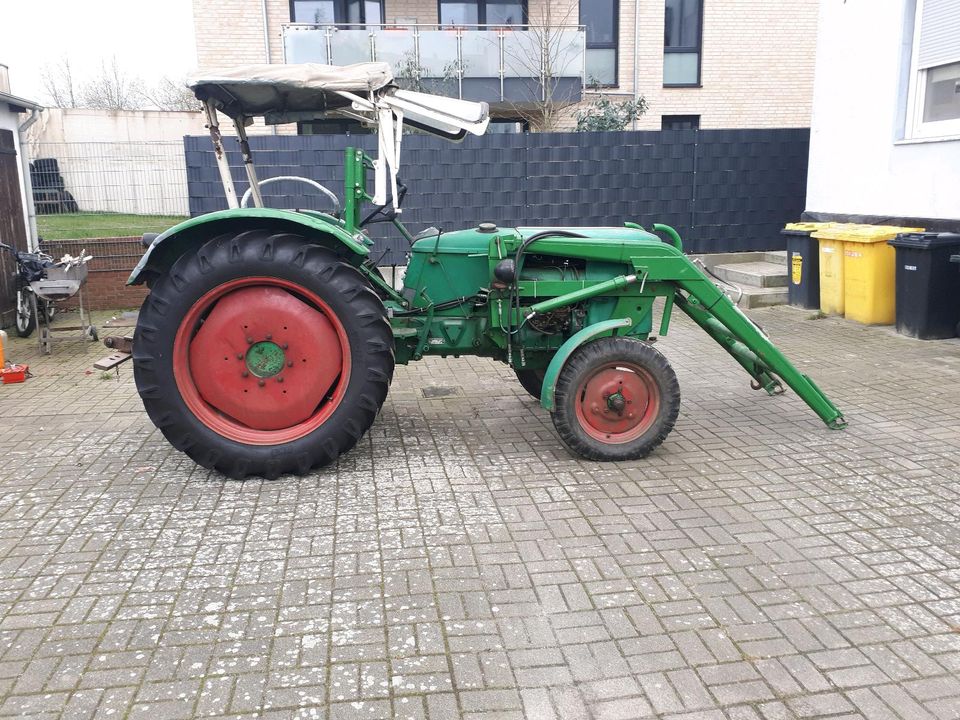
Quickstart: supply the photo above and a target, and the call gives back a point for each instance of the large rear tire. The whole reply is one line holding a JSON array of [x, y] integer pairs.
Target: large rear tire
[[261, 354], [616, 399]]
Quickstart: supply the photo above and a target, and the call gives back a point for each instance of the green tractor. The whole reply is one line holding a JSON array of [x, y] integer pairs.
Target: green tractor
[[269, 338]]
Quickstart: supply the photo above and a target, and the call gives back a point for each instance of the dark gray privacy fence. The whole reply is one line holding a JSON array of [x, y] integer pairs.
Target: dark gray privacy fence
[[724, 190]]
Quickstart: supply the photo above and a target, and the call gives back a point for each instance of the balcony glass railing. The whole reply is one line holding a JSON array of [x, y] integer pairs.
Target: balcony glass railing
[[502, 64]]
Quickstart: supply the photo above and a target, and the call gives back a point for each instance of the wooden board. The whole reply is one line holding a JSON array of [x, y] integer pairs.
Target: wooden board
[[112, 360]]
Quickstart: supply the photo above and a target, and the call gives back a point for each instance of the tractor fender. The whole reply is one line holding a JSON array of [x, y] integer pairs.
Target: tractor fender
[[326, 230], [566, 350]]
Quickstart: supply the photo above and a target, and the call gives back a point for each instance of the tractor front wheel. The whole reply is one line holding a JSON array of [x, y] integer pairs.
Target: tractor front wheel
[[261, 354], [616, 399]]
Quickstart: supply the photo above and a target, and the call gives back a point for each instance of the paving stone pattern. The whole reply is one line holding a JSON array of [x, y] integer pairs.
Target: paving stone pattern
[[461, 563]]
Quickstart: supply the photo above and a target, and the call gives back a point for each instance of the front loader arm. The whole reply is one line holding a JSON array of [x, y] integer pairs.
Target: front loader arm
[[705, 304]]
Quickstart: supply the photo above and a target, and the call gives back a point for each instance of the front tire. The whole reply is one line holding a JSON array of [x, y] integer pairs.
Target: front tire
[[26, 317], [616, 399], [261, 354]]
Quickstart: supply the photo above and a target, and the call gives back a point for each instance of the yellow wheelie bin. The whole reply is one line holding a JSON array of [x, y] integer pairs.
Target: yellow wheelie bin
[[831, 267], [859, 273]]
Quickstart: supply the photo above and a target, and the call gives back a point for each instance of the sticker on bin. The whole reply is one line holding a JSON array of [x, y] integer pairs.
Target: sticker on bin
[[910, 267], [797, 269]]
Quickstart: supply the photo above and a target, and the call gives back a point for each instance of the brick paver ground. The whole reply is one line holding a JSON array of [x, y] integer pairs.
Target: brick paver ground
[[461, 563]]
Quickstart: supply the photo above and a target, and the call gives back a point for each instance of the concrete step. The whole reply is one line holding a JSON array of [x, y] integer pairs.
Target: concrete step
[[711, 260], [761, 273], [754, 297], [778, 257]]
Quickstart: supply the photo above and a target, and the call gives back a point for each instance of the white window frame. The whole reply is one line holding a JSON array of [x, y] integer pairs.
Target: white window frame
[[916, 128]]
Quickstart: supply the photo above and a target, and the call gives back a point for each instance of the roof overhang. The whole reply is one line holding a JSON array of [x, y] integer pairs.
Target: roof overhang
[[18, 104]]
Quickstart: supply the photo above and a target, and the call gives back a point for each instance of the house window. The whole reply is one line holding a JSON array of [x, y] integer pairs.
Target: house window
[[483, 12], [601, 20], [934, 98], [682, 43], [680, 122], [337, 12]]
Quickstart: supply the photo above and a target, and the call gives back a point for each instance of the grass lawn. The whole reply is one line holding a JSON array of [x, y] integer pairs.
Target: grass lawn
[[78, 226]]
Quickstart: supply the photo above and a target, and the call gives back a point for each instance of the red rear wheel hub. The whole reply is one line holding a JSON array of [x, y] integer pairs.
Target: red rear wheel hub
[[261, 360], [617, 402]]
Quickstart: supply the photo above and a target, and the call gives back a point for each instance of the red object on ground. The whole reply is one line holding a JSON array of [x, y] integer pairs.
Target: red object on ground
[[15, 374], [226, 388]]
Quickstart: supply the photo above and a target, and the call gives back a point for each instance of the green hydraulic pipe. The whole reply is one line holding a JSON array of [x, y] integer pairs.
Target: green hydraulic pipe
[[670, 233], [737, 350], [601, 288]]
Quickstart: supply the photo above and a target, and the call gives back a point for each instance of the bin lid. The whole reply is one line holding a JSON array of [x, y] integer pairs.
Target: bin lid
[[804, 228], [855, 232], [926, 240]]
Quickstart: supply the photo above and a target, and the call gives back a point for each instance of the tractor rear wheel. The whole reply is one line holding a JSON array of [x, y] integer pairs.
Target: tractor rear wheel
[[531, 380], [261, 354], [616, 399]]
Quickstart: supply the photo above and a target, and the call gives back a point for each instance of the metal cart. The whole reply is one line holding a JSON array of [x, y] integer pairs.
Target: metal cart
[[62, 282]]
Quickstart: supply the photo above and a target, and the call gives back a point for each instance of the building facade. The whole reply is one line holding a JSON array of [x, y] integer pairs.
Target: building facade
[[885, 134], [698, 63]]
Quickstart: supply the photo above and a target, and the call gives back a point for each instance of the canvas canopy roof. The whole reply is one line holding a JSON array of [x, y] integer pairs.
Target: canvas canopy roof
[[281, 93]]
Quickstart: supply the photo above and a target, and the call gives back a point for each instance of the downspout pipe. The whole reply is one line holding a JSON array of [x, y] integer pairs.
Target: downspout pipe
[[266, 40], [33, 240], [636, 52]]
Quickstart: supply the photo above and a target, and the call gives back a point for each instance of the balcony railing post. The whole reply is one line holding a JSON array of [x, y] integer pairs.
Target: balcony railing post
[[416, 57], [373, 45], [459, 63], [502, 39], [327, 38]]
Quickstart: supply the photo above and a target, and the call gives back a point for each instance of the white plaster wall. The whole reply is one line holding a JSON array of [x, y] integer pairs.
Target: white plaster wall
[[119, 161], [85, 125], [857, 164]]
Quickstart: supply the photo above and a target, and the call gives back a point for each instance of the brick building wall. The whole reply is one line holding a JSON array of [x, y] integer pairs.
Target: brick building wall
[[757, 55]]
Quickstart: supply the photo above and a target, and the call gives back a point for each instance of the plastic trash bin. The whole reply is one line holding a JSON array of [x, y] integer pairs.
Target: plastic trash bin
[[857, 271], [869, 271], [803, 263], [956, 259], [928, 288], [830, 261]]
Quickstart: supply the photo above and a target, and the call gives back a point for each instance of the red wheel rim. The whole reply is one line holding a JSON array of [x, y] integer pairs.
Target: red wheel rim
[[617, 402], [261, 360]]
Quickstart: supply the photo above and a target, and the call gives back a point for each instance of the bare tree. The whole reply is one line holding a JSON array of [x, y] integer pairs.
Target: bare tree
[[112, 89], [549, 50], [57, 80], [171, 95]]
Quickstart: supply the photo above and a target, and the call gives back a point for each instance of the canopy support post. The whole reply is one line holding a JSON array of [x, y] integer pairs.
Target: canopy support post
[[213, 125], [248, 162]]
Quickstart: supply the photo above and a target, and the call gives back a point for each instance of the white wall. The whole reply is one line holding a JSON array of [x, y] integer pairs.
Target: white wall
[[119, 161], [58, 125], [857, 164]]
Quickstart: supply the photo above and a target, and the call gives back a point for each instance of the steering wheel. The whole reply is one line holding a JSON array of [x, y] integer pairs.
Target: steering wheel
[[295, 178]]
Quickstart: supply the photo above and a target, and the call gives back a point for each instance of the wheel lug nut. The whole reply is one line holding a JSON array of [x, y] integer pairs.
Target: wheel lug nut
[[289, 363], [239, 356], [261, 383], [249, 341], [245, 374], [284, 346], [280, 379], [269, 336]]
